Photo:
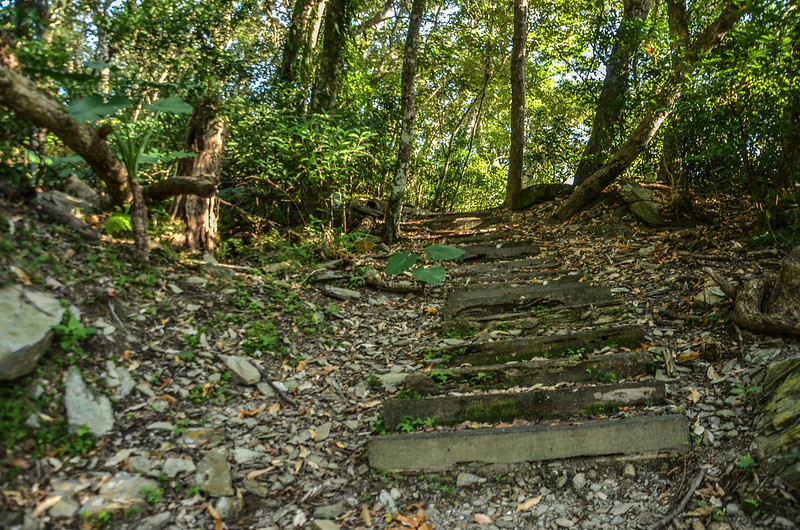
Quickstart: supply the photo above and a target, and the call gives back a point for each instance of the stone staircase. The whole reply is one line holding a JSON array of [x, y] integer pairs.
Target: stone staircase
[[540, 364]]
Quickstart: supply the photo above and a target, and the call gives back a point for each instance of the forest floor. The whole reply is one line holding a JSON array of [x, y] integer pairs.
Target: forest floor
[[291, 452]]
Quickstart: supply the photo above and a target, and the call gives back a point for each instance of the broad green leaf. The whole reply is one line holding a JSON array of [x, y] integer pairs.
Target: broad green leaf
[[172, 104], [432, 275], [400, 262], [442, 252], [93, 108]]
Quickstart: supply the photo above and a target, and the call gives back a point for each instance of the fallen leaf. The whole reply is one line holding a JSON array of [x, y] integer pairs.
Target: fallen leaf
[[365, 517], [702, 511], [530, 503], [694, 396], [431, 310], [45, 505], [126, 356], [275, 408], [252, 412], [301, 365], [218, 524], [313, 434], [481, 518], [20, 463], [259, 472], [712, 374]]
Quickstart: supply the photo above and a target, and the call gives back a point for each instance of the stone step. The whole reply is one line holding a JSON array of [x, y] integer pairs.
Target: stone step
[[580, 343], [603, 313], [607, 368], [510, 267], [648, 436], [472, 302], [494, 251], [535, 405], [465, 221]]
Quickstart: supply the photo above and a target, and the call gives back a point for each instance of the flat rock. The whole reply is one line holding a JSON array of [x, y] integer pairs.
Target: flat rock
[[654, 436], [508, 406], [120, 491], [84, 407], [213, 475], [242, 370], [25, 329], [340, 293]]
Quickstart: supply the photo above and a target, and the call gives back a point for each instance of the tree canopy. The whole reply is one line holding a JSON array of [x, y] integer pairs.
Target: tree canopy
[[311, 94]]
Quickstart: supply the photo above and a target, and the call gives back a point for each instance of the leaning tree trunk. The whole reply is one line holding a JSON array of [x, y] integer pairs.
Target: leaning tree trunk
[[19, 94], [662, 106], [205, 136], [517, 149], [407, 105], [612, 97]]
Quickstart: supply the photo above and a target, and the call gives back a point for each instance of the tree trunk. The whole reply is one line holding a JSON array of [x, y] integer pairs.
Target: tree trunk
[[789, 165], [473, 132], [671, 151], [661, 107], [605, 129], [337, 20], [19, 94], [297, 44], [407, 104], [517, 150], [205, 135]]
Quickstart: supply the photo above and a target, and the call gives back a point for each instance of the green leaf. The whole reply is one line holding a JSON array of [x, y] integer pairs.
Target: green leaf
[[172, 104], [442, 252], [432, 275], [400, 262], [93, 108]]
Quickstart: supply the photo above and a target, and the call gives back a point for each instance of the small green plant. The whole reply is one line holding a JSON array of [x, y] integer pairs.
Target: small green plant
[[186, 356], [609, 377], [119, 222], [71, 332], [191, 492], [152, 494], [753, 507], [478, 378], [379, 427], [745, 462], [411, 424], [441, 376], [405, 260]]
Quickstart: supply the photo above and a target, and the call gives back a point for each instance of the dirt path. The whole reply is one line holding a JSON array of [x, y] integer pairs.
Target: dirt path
[[263, 402]]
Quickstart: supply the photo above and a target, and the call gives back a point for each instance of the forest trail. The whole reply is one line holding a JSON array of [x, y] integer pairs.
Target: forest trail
[[538, 343]]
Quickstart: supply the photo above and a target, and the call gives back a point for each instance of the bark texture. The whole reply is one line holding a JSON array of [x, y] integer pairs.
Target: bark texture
[[407, 105], [607, 118], [671, 152], [515, 156], [205, 135], [329, 73], [19, 94], [662, 106], [297, 44]]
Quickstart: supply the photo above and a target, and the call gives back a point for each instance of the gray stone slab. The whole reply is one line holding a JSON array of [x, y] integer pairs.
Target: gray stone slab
[[465, 221], [662, 435], [581, 343], [494, 298], [543, 265], [606, 368], [535, 405], [498, 250]]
